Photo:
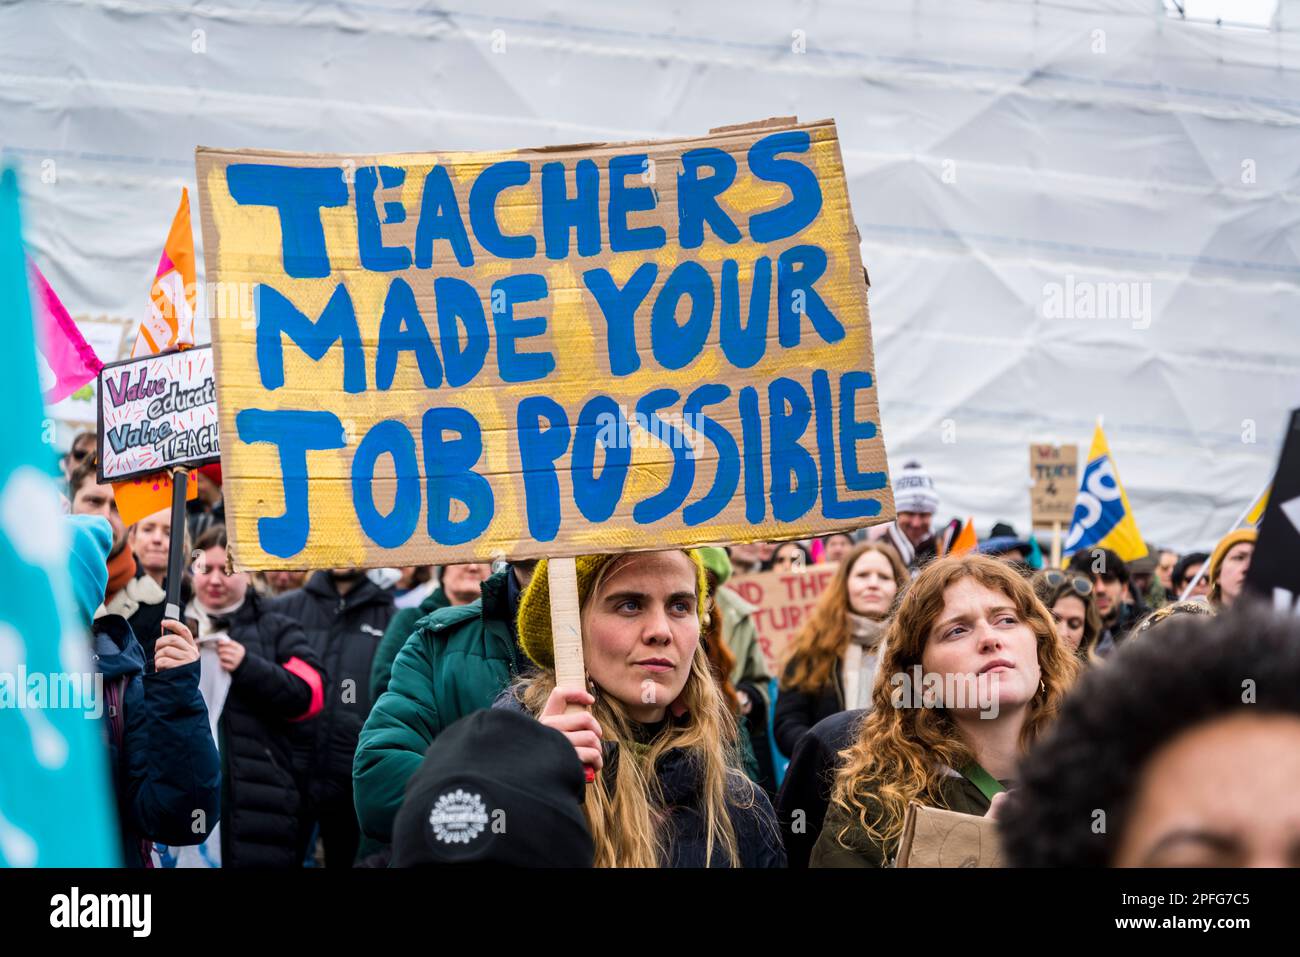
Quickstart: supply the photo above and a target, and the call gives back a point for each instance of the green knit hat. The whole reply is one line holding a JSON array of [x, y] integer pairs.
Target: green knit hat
[[534, 621], [717, 561]]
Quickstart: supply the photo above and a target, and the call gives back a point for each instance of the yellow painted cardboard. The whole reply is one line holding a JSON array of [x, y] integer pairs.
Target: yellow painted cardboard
[[1054, 470], [375, 509]]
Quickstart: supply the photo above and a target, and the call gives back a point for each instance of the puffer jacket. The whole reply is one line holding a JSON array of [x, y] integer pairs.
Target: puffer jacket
[[344, 632], [280, 681], [402, 626], [165, 768], [456, 662]]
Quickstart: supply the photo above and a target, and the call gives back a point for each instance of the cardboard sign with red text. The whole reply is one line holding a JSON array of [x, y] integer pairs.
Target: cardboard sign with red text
[[785, 600]]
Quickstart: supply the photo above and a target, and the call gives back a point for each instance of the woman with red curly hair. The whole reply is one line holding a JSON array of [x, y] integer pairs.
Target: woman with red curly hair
[[972, 673]]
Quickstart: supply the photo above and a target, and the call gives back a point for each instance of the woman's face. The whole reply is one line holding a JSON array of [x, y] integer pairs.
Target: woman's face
[[985, 654], [150, 538], [871, 585], [641, 628], [216, 590], [1223, 794], [1232, 573], [462, 584], [788, 557], [1070, 614]]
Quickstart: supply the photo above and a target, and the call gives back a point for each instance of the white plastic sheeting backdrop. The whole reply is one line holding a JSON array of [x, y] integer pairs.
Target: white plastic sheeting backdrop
[[996, 151]]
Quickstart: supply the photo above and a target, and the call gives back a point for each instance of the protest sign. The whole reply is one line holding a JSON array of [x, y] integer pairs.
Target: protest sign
[[1274, 573], [156, 412], [785, 601], [937, 837], [1054, 470], [549, 352]]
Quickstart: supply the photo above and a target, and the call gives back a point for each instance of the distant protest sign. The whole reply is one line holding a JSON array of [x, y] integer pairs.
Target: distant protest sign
[[606, 347], [785, 601], [156, 412], [1054, 470]]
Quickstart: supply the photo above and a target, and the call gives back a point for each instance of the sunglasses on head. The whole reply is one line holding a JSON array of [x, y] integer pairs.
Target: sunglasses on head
[[1055, 579]]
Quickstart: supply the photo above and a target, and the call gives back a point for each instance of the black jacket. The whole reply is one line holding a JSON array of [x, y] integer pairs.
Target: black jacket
[[758, 838], [166, 772], [806, 790], [797, 711], [344, 632], [279, 681], [146, 621]]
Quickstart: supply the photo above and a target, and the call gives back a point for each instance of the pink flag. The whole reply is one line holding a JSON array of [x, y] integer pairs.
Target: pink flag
[[70, 360]]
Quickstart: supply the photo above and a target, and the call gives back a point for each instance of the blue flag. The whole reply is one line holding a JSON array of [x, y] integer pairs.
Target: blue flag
[[56, 806], [1103, 517]]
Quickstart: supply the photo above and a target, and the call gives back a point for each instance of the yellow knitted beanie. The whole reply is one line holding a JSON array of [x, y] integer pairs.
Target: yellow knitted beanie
[[1235, 537], [535, 604]]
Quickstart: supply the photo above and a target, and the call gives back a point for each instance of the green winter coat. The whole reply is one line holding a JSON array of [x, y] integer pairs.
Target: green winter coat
[[395, 635], [457, 661], [959, 794]]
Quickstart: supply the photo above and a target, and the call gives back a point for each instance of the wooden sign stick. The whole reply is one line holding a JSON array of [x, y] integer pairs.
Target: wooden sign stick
[[566, 631], [566, 625], [1056, 544]]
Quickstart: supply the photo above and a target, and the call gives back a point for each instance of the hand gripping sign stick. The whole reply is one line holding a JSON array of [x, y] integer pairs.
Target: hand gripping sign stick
[[566, 631], [176, 545]]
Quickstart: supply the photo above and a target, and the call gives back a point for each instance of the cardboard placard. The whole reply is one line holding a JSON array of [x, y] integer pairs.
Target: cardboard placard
[[1274, 573], [545, 352], [1054, 470], [156, 412], [785, 601], [936, 837]]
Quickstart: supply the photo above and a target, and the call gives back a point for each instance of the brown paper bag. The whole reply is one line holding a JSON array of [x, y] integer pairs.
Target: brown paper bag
[[933, 837]]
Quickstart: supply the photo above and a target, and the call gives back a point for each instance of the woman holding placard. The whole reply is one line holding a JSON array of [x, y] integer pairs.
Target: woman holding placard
[[832, 661], [666, 788], [974, 672]]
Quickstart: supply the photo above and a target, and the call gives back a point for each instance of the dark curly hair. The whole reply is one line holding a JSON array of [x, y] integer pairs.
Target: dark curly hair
[[1186, 671]]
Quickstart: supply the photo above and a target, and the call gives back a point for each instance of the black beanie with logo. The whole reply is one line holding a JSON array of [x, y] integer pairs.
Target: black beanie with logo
[[497, 788]]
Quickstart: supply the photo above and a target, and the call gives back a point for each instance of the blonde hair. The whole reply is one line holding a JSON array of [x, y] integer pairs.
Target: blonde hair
[[902, 754], [626, 815], [1189, 607], [815, 652]]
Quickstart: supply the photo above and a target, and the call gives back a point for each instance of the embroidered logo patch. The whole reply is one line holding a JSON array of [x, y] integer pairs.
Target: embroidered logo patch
[[458, 817]]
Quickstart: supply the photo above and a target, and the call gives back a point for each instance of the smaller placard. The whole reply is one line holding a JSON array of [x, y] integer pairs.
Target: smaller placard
[[156, 412], [1054, 470]]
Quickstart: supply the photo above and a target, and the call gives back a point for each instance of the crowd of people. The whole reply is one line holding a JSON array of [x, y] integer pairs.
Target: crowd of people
[[414, 716]]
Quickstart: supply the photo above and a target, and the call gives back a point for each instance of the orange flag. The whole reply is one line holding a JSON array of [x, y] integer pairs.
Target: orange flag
[[170, 325], [965, 541]]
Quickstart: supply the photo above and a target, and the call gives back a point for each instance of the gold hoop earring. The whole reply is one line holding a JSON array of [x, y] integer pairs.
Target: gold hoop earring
[[1042, 688]]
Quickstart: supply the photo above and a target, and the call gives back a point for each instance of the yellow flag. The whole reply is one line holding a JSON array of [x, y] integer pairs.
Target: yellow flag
[[1103, 517], [1257, 510]]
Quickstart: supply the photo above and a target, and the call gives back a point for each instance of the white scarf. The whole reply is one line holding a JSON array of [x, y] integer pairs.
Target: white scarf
[[214, 681], [861, 659]]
